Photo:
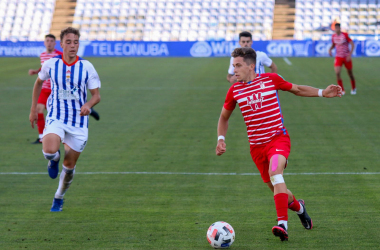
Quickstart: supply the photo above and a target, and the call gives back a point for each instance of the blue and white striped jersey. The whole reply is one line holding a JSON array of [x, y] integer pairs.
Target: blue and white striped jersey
[[69, 83], [261, 60]]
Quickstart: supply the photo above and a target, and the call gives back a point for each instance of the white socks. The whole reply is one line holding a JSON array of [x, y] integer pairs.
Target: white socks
[[285, 222], [301, 209], [65, 180], [54, 157]]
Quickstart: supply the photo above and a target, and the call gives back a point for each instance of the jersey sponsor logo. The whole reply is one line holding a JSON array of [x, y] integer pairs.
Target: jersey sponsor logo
[[201, 49], [70, 94], [255, 101], [279, 149]]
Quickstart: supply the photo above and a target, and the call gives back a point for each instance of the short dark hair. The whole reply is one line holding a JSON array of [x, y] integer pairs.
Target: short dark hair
[[245, 34], [50, 35], [248, 54], [69, 30], [337, 25]]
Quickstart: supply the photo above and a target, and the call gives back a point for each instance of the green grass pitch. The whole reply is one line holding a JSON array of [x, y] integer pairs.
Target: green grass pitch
[[160, 115]]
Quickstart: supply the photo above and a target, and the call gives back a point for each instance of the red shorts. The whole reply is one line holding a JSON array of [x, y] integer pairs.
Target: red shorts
[[44, 95], [339, 61], [261, 155]]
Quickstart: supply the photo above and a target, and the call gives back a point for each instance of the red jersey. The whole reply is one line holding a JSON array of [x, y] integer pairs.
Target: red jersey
[[44, 57], [341, 42], [260, 106]]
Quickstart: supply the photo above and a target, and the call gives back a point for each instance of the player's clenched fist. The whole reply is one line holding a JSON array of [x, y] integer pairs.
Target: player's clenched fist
[[85, 110], [332, 91], [221, 147]]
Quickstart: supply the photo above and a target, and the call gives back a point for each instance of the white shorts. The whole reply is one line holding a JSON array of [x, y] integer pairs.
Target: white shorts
[[75, 138]]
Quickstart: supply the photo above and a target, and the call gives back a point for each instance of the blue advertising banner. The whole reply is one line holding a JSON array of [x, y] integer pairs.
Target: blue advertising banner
[[287, 48]]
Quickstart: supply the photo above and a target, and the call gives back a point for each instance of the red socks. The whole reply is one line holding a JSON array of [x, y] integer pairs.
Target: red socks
[[41, 123], [353, 86], [295, 205], [281, 201], [340, 83]]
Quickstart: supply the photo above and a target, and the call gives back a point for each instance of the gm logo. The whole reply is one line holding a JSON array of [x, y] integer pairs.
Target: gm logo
[[322, 48], [372, 48], [201, 49], [280, 49]]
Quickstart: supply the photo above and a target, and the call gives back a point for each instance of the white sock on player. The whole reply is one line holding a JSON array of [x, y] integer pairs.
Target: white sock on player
[[285, 222], [301, 209], [65, 180]]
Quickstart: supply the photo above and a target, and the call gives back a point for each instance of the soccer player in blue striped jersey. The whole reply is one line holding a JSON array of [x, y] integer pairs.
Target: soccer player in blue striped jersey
[[68, 109]]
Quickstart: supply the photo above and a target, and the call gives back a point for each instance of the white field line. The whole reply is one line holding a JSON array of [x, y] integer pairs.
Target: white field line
[[188, 173], [287, 61]]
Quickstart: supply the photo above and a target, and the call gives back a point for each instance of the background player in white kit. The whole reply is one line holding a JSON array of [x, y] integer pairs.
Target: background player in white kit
[[68, 109], [46, 89], [245, 41]]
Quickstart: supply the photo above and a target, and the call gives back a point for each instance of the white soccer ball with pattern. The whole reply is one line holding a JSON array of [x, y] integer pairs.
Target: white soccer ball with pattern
[[220, 235]]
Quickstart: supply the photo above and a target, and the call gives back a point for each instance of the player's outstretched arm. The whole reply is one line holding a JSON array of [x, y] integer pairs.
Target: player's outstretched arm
[[36, 93], [222, 130], [307, 91], [95, 99]]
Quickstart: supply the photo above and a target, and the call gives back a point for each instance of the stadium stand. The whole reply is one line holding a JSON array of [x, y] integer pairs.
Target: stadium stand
[[186, 20], [315, 17], [25, 19], [63, 16], [283, 20], [173, 20]]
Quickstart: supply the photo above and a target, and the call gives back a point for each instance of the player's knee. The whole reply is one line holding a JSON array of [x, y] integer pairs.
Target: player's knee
[[70, 164], [49, 155], [277, 179]]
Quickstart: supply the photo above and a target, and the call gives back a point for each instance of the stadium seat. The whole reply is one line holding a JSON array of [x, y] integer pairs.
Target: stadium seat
[[355, 16], [197, 18], [18, 24]]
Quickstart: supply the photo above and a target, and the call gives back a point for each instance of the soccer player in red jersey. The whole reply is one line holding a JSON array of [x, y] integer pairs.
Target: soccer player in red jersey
[[257, 97], [46, 88], [340, 41]]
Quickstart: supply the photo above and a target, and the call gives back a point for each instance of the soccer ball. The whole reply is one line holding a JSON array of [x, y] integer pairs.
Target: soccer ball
[[220, 235]]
